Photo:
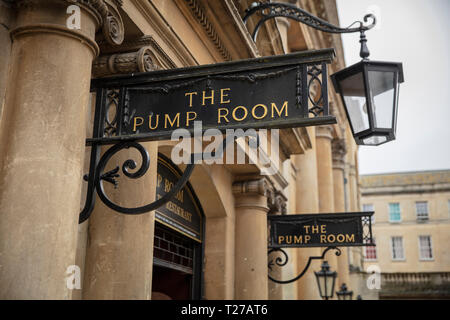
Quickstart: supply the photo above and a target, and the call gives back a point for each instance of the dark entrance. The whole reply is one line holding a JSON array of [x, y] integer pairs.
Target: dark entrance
[[178, 247]]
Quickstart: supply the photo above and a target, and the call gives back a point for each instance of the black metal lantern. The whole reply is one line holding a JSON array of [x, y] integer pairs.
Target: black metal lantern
[[344, 294], [325, 281], [369, 91]]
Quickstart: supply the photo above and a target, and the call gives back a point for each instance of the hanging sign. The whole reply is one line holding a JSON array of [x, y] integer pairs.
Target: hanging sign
[[182, 213], [267, 92], [320, 230]]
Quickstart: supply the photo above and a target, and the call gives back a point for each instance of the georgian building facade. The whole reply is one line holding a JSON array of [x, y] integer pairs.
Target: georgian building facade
[[47, 113], [411, 229]]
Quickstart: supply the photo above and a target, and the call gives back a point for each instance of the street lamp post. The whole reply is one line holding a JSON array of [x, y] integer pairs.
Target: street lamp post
[[325, 281], [343, 293]]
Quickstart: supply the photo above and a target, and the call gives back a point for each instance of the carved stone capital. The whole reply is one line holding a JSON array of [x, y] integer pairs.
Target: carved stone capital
[[324, 132], [251, 187], [276, 201], [124, 63], [339, 149]]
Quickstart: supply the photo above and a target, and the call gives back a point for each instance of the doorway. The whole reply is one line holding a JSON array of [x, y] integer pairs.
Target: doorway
[[176, 266]]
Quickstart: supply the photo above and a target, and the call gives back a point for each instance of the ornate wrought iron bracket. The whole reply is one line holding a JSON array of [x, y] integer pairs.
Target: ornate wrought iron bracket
[[97, 165], [271, 10], [281, 262]]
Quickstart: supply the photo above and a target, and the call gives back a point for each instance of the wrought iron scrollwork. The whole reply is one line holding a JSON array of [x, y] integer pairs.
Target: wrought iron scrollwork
[[270, 10], [97, 176], [282, 261]]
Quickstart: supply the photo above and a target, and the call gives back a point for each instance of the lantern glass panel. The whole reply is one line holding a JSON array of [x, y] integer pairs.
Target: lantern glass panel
[[374, 140], [352, 90], [329, 285], [381, 84]]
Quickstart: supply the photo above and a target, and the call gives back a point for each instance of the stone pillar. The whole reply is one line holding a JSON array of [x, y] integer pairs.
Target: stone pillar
[[307, 202], [42, 144], [6, 20], [119, 251], [251, 281], [325, 178], [339, 151]]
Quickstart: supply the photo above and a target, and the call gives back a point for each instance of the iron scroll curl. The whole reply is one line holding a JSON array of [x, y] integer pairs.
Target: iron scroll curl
[[282, 261], [96, 176], [271, 10]]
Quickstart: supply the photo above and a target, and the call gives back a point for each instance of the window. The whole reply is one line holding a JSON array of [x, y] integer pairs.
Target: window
[[397, 248], [422, 210], [369, 207], [394, 212], [425, 248], [370, 252]]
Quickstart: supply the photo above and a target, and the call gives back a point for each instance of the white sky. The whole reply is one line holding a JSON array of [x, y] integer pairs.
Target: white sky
[[416, 33]]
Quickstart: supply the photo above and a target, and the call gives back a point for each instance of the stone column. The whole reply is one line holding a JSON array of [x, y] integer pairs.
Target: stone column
[[119, 251], [42, 144], [339, 151], [251, 281], [307, 191], [325, 178]]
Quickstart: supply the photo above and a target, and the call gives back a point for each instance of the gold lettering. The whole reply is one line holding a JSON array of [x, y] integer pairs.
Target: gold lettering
[[289, 239], [176, 118], [150, 122], [297, 239], [307, 238], [159, 180], [211, 97], [172, 207], [322, 228], [190, 97], [179, 196], [223, 95], [136, 124], [314, 229], [340, 238], [220, 115], [349, 238], [280, 239], [254, 112], [167, 185], [323, 238], [234, 113], [306, 228], [188, 118], [331, 238], [285, 107]]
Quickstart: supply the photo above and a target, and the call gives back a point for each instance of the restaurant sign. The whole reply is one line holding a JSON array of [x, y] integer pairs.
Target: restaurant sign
[[275, 92], [183, 212], [320, 230]]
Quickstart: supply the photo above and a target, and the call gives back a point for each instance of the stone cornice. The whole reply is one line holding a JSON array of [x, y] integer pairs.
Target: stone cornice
[[198, 13]]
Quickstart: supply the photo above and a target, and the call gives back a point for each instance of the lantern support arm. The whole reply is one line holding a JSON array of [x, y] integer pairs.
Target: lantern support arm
[[271, 10], [283, 261]]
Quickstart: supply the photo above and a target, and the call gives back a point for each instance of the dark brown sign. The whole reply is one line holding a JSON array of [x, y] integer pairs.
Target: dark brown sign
[[183, 212], [320, 230], [267, 92]]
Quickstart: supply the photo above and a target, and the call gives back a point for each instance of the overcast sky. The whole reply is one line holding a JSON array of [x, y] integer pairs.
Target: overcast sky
[[416, 33]]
